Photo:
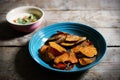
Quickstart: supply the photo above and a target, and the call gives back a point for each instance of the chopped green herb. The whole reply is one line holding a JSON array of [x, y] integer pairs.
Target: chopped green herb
[[26, 19]]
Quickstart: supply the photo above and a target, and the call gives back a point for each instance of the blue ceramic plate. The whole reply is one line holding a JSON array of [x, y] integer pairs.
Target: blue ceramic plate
[[40, 37]]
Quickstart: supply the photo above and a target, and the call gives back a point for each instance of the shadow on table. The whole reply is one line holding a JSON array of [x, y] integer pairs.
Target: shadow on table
[[7, 33], [28, 69]]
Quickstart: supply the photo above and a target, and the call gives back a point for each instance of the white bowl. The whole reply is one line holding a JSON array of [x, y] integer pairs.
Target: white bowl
[[24, 11]]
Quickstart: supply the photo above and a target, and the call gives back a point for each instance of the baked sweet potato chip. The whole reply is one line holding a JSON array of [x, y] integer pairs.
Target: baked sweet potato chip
[[51, 55], [54, 51], [86, 48], [43, 49], [85, 61], [72, 43], [58, 38], [73, 58], [81, 39], [72, 38], [88, 51], [67, 44], [62, 58], [76, 48], [57, 47]]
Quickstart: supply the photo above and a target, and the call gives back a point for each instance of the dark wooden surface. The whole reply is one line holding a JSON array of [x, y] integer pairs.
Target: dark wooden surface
[[102, 15]]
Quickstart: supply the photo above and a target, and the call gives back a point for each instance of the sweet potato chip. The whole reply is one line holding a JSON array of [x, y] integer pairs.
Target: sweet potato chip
[[62, 58], [88, 51], [67, 44], [57, 47], [85, 61], [43, 49], [54, 51], [76, 49], [72, 38], [72, 58], [86, 48]]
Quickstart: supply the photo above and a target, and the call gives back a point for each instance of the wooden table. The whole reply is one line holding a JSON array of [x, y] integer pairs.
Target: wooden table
[[102, 15]]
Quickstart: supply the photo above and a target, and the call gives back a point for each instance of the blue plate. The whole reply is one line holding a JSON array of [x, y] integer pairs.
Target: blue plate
[[40, 37]]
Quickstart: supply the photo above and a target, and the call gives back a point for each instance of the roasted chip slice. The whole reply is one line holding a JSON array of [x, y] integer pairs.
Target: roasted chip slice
[[85, 61], [72, 58], [72, 43], [58, 38], [62, 58], [86, 43], [88, 51], [57, 47], [76, 48], [54, 51], [51, 56], [67, 44], [43, 49], [72, 38], [81, 39]]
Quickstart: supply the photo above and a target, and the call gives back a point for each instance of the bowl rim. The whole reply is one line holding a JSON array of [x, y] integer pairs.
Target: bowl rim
[[66, 71], [41, 10]]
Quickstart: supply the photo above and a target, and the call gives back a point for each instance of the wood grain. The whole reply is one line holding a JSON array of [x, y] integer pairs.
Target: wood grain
[[62, 4], [106, 22], [93, 18], [19, 63], [102, 15]]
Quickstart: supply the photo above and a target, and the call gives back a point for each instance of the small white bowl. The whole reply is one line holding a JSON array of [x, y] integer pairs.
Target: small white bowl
[[24, 11]]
